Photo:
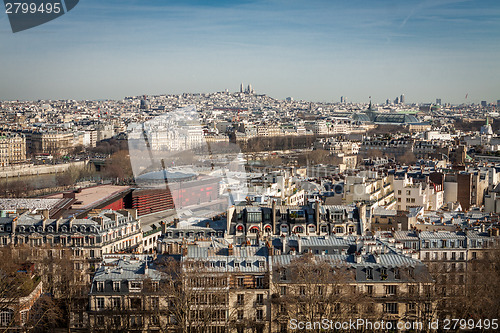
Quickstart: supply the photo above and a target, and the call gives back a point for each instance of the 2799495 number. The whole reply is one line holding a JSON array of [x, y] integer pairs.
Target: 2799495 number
[[471, 324], [32, 8]]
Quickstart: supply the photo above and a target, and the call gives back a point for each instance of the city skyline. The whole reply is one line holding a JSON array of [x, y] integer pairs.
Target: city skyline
[[314, 50]]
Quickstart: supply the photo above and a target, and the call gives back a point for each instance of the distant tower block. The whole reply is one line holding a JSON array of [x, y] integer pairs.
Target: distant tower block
[[438, 101], [241, 87], [144, 103], [342, 99], [402, 99]]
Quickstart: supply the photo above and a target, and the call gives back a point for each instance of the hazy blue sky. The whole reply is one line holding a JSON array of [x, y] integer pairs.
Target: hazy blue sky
[[313, 50]]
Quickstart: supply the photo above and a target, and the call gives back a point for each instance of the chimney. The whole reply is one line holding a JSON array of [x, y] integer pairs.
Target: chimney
[[316, 214], [163, 227], [45, 214], [299, 245], [71, 219], [176, 222], [270, 248], [357, 257], [273, 217], [230, 250], [284, 243]]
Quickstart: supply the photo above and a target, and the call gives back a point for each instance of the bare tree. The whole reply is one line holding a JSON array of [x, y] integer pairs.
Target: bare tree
[[198, 297], [311, 289]]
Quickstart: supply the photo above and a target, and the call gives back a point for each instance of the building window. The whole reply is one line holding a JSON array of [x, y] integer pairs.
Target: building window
[[259, 282], [283, 290], [397, 274], [135, 285], [369, 290], [241, 282], [411, 308], [302, 290], [369, 274], [390, 290], [116, 303], [100, 321], [6, 318], [100, 286], [135, 303], [240, 314], [116, 286], [391, 308], [100, 303], [259, 314], [240, 299], [260, 299], [155, 303], [383, 273]]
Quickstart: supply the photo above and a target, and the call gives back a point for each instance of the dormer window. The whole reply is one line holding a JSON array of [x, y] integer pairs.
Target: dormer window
[[100, 286], [383, 273], [369, 273], [64, 228], [249, 264], [32, 229], [236, 264], [135, 285], [40, 229], [397, 274], [82, 229]]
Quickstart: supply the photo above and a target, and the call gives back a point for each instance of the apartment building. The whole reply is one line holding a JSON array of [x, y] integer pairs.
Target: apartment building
[[417, 194], [125, 295], [12, 148], [52, 142], [254, 223], [80, 243], [386, 287]]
